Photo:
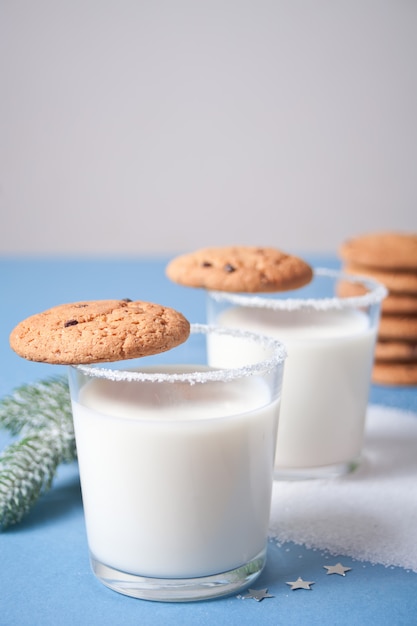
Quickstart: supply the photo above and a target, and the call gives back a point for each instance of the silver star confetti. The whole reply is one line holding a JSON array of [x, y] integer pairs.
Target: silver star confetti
[[256, 594], [337, 569], [301, 584]]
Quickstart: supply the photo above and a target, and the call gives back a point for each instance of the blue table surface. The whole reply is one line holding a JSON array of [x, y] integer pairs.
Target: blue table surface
[[45, 576]]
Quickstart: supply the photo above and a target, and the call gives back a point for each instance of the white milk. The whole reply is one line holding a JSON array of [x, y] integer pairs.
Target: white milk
[[174, 486], [326, 381]]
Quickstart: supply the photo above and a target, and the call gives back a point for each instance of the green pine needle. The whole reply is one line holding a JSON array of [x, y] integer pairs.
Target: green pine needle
[[36, 405], [41, 415]]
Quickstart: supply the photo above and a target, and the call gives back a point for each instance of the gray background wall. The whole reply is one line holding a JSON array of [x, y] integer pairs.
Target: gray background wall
[[151, 126]]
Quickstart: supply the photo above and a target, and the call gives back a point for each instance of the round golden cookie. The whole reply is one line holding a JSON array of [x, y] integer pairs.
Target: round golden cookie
[[383, 250], [99, 331], [401, 282], [346, 289], [246, 269], [396, 351], [399, 303], [394, 373], [394, 303], [398, 327]]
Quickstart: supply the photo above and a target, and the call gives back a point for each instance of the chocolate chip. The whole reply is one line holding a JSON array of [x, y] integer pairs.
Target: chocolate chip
[[229, 268], [206, 264], [127, 300], [70, 323]]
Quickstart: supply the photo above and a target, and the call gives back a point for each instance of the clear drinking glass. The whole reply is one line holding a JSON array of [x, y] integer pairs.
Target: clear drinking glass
[[330, 341], [176, 465]]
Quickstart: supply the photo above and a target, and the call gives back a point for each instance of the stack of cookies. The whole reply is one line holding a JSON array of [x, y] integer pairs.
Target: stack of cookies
[[391, 259]]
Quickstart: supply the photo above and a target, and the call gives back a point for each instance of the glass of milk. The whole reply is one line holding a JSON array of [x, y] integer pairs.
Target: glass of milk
[[176, 465], [330, 342]]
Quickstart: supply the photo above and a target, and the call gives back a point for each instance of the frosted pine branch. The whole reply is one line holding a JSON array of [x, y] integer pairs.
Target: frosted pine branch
[[36, 405], [41, 414]]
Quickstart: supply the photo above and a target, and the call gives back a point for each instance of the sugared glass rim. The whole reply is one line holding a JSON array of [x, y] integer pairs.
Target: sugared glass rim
[[377, 292], [279, 354]]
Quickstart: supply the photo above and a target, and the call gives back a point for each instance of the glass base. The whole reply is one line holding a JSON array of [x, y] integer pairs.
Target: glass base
[[322, 471], [179, 589]]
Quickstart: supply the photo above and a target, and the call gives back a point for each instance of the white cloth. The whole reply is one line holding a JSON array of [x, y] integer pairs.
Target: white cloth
[[370, 514]]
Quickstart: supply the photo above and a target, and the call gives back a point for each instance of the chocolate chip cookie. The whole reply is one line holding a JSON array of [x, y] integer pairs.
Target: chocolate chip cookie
[[247, 269], [99, 331]]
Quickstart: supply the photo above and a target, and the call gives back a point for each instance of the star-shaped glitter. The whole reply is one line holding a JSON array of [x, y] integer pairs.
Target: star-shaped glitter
[[300, 584], [337, 569], [256, 594]]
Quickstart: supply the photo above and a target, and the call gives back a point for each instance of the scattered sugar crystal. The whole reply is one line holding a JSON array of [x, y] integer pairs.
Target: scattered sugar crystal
[[369, 515]]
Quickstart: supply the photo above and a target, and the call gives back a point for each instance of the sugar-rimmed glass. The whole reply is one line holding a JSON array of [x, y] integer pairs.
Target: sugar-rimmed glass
[[330, 341], [176, 466]]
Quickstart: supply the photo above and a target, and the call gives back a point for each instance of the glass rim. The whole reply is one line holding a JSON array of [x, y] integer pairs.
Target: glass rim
[[279, 353], [377, 292]]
